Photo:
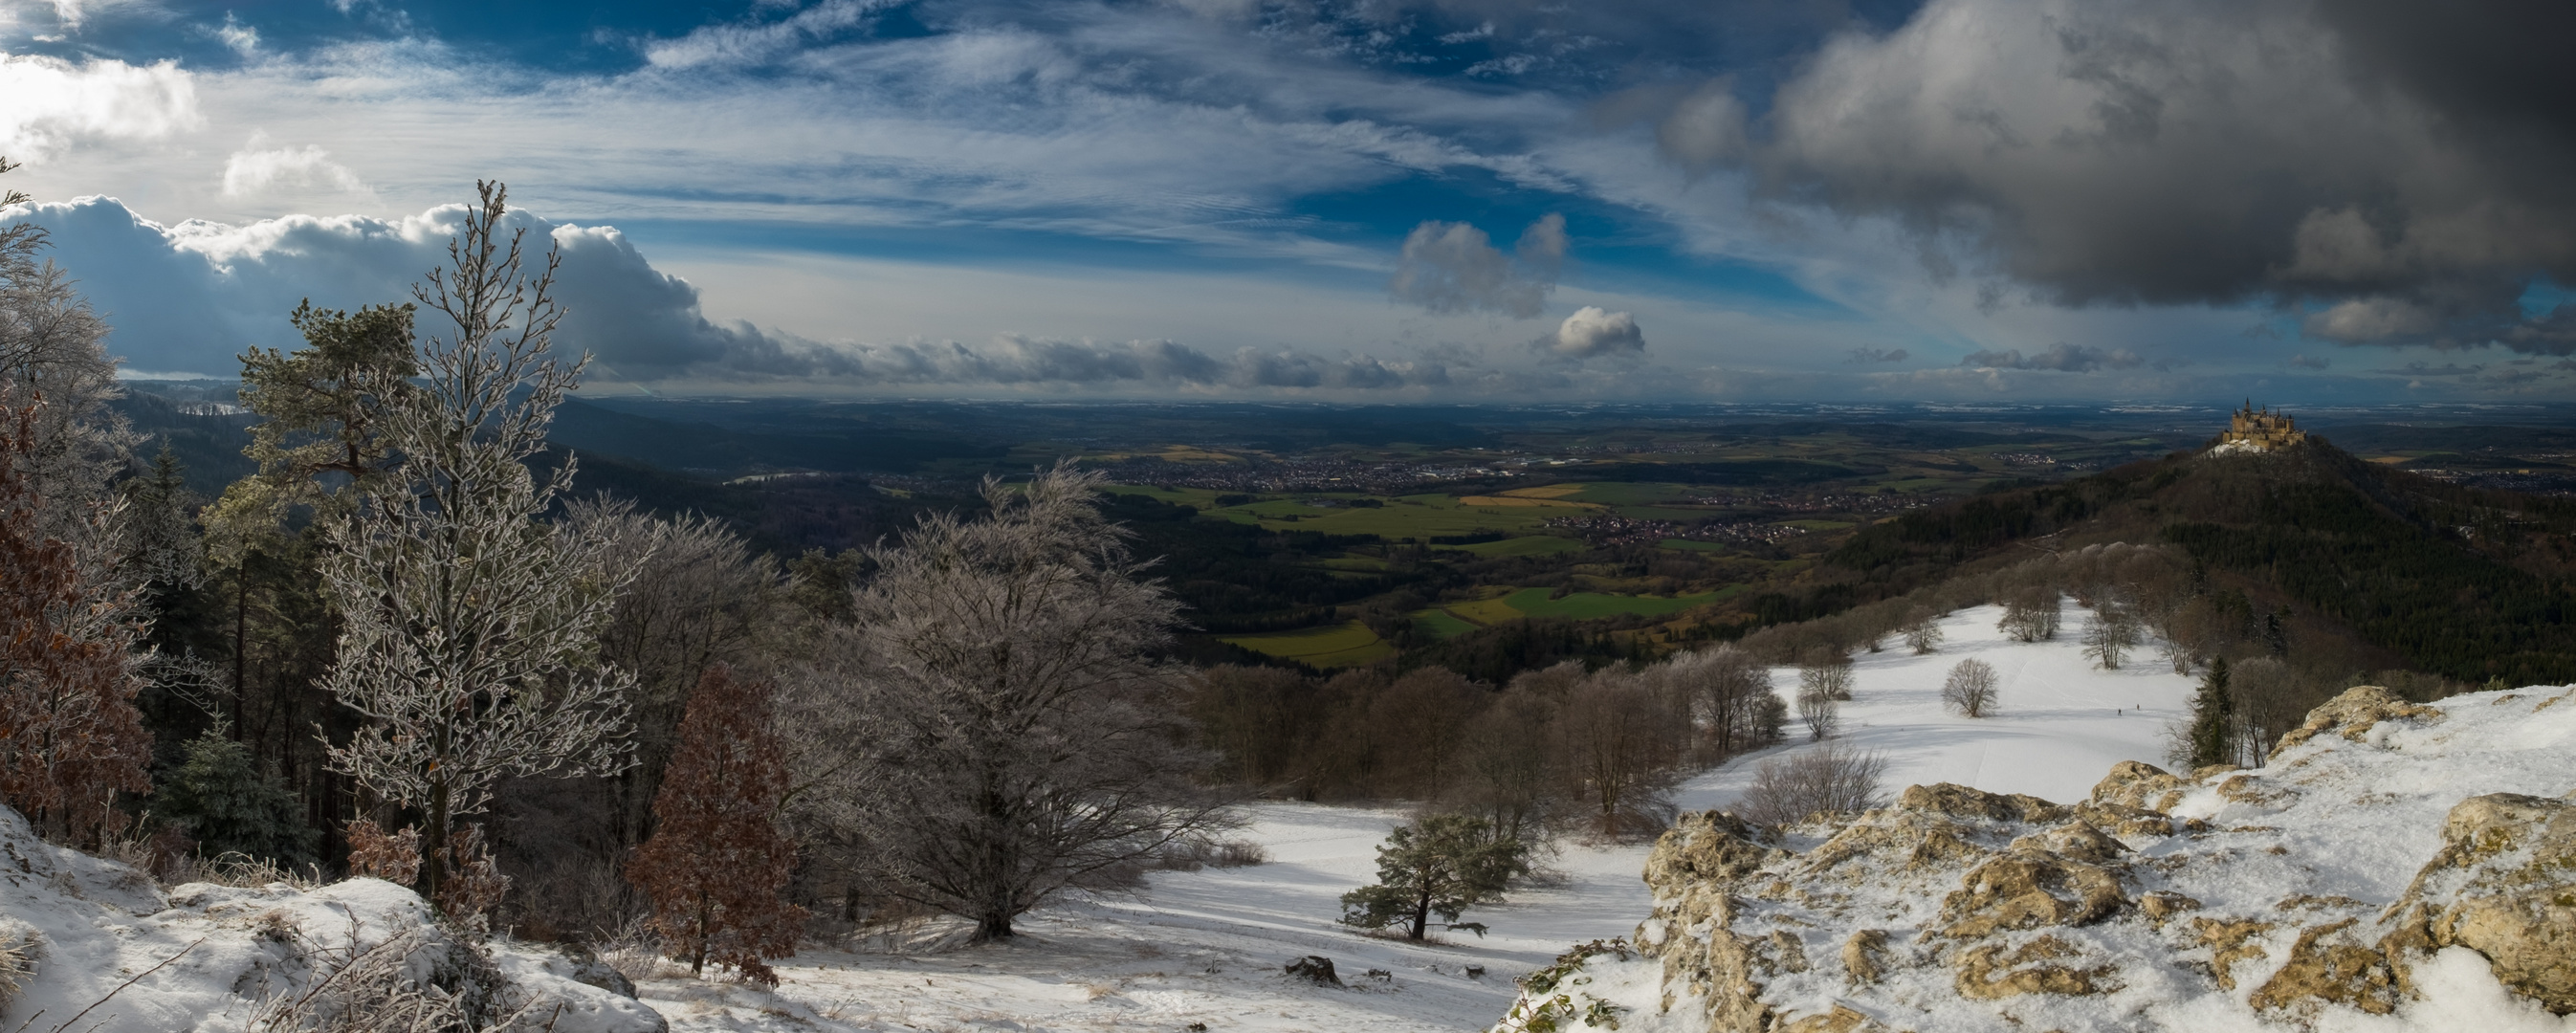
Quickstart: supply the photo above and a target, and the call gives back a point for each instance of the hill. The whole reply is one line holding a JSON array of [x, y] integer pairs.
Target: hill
[[2468, 583]]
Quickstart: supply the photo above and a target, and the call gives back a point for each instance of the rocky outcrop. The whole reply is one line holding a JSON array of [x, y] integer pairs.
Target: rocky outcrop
[[2278, 894], [98, 939]]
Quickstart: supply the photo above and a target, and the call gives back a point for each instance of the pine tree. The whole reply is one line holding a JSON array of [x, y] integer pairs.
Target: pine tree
[[70, 736], [1440, 865], [2213, 719], [716, 864], [222, 798]]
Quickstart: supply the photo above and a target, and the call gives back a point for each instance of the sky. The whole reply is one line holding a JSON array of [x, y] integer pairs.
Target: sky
[[2342, 201]]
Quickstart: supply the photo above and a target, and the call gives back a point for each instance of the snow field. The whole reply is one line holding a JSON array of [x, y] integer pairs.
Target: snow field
[[1208, 946]]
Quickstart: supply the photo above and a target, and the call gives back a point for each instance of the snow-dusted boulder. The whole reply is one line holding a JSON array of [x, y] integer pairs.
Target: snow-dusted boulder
[[2392, 866], [97, 937]]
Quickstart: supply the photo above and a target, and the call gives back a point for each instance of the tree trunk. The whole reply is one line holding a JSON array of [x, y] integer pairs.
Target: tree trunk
[[1421, 912], [995, 925], [433, 846]]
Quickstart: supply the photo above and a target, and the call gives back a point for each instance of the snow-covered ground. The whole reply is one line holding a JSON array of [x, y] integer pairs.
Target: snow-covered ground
[[1207, 947]]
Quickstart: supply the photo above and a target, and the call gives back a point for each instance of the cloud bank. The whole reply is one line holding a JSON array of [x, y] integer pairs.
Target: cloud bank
[[191, 297]]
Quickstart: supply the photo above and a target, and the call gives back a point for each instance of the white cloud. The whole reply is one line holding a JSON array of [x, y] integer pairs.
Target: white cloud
[[243, 39], [1591, 332], [48, 104], [303, 171], [752, 42]]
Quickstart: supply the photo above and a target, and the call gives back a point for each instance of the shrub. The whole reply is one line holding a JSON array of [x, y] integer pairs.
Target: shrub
[[1832, 779]]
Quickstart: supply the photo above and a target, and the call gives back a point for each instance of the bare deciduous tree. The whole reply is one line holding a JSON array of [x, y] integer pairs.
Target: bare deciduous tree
[[1922, 631], [2030, 614], [1620, 756], [1970, 689], [991, 732], [471, 626], [1819, 712], [1827, 672], [2112, 634]]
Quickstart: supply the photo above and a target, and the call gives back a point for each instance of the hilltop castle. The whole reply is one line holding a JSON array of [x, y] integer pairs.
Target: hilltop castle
[[2262, 430]]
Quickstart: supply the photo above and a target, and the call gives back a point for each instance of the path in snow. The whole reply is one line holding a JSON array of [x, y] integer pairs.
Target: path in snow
[[1206, 947]]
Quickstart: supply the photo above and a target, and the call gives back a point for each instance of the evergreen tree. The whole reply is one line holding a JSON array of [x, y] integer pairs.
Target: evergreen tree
[[2213, 719], [716, 864], [1440, 865], [222, 798]]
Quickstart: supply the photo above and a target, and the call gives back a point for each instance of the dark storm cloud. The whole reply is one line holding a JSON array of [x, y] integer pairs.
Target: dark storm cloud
[[2397, 168]]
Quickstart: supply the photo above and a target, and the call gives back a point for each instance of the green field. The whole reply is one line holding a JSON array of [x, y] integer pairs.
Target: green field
[[1586, 605], [1413, 516], [1689, 545], [1440, 624], [1341, 645], [1527, 545]]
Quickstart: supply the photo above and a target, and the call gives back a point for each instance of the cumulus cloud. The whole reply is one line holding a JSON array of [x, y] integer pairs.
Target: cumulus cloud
[[1591, 332], [1872, 356], [1453, 267], [191, 297], [305, 170], [2386, 159], [52, 103], [2060, 357]]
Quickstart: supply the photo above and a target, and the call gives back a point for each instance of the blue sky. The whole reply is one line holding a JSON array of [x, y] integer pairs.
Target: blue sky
[[1385, 199]]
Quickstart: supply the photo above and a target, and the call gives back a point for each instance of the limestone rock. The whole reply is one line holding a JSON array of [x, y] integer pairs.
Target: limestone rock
[[2140, 786], [2158, 902], [2353, 714], [1958, 801], [2504, 885], [2028, 889], [2326, 966], [1997, 971]]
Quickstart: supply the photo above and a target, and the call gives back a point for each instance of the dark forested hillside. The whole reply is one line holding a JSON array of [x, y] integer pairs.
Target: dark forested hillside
[[2462, 582]]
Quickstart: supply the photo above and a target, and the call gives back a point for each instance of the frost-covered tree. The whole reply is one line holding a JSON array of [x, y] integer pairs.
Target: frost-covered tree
[[1970, 688], [992, 730], [70, 736], [1442, 864], [53, 349], [717, 862], [471, 626]]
